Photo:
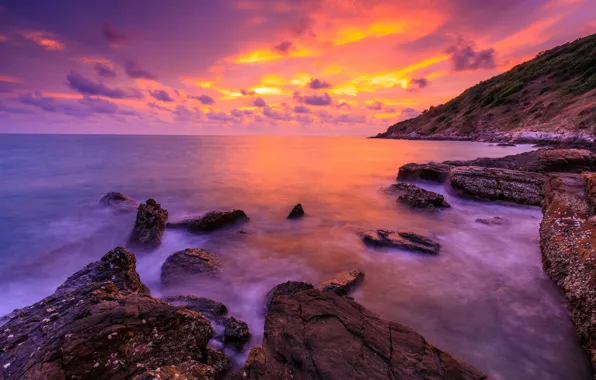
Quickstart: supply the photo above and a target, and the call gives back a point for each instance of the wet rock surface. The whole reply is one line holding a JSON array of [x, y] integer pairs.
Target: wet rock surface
[[406, 240], [497, 221], [343, 283], [297, 212], [498, 184], [568, 243], [211, 221], [284, 289], [119, 202], [182, 266], [102, 324], [149, 225], [236, 331], [416, 197], [320, 335], [434, 172]]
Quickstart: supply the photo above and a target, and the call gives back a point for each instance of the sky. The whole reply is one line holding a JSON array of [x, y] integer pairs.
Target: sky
[[265, 67]]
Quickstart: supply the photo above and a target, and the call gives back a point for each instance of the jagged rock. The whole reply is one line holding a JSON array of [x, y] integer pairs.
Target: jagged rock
[[435, 172], [214, 311], [119, 202], [149, 225], [343, 283], [211, 221], [236, 331], [320, 335], [182, 266], [568, 243], [416, 197], [406, 240], [297, 212], [284, 289], [101, 324], [498, 184], [497, 220]]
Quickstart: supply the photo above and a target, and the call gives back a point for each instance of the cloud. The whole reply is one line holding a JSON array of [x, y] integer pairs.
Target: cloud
[[314, 100], [259, 102], [133, 69], [113, 35], [418, 83], [38, 100], [205, 99], [247, 92], [317, 84], [220, 116], [347, 118], [276, 115], [87, 87], [301, 109], [283, 48], [97, 105], [185, 114], [10, 109], [157, 106], [6, 86], [161, 95], [464, 56], [375, 106], [82, 108], [104, 70], [409, 113], [240, 113], [45, 40], [343, 104]]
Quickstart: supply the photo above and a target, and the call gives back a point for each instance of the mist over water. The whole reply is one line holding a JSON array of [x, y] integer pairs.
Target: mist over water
[[485, 298]]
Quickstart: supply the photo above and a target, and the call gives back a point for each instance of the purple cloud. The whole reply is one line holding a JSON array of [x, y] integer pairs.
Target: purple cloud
[[317, 84], [240, 113], [97, 105], [276, 115], [220, 116], [409, 113], [348, 118], [301, 109], [316, 100], [81, 108], [419, 83], [87, 87], [113, 35], [464, 56], [376, 106], [157, 106], [6, 86], [247, 92], [45, 103], [134, 70], [184, 114], [205, 99], [259, 102], [343, 104], [161, 95], [283, 48], [104, 71]]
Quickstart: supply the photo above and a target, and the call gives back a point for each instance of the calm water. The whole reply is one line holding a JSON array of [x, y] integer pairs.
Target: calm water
[[484, 299]]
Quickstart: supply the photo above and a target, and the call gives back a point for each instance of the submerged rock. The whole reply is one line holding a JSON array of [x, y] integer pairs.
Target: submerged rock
[[284, 289], [101, 324], [498, 184], [182, 266], [435, 172], [236, 331], [406, 240], [149, 225], [497, 220], [211, 221], [320, 335], [297, 212], [213, 310], [119, 202], [343, 283], [416, 197], [568, 243]]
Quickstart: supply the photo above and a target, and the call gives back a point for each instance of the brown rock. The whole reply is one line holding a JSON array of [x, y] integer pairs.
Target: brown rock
[[406, 240], [416, 197], [343, 283], [149, 225], [284, 289], [297, 212], [213, 310], [432, 171], [211, 221], [119, 202], [236, 331], [184, 265]]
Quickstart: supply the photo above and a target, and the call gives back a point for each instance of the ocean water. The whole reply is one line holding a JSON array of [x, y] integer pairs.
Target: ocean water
[[485, 298]]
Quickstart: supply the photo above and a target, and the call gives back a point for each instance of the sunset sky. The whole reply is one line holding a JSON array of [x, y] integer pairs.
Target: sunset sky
[[341, 67]]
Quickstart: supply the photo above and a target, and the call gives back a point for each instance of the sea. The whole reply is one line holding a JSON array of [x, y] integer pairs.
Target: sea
[[485, 298]]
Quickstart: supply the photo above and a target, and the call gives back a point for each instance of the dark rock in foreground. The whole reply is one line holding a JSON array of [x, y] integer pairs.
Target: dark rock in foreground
[[149, 225], [402, 240], [284, 289], [497, 220], [343, 283], [416, 197], [320, 335], [236, 331], [568, 242], [432, 171], [498, 184], [297, 212], [211, 221], [101, 324], [213, 310], [119, 202], [185, 265]]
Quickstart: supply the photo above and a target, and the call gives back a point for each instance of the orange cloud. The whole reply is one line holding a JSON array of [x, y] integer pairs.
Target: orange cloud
[[265, 55], [44, 40]]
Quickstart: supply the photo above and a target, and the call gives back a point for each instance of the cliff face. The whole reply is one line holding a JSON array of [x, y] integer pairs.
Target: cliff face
[[552, 94]]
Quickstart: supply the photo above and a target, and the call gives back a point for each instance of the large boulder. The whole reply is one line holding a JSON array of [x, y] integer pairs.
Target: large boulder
[[416, 197], [320, 335], [498, 184], [434, 172], [568, 242], [405, 240], [102, 324], [149, 225], [119, 202], [343, 283], [211, 221], [185, 265], [284, 289]]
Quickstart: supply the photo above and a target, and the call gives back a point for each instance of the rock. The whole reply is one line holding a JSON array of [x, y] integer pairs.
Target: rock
[[211, 221], [149, 225], [568, 243], [406, 240], [297, 212], [432, 171], [343, 283], [118, 202], [416, 197], [320, 335], [213, 310], [497, 220], [284, 289], [498, 184], [506, 144], [236, 331], [101, 324], [185, 265]]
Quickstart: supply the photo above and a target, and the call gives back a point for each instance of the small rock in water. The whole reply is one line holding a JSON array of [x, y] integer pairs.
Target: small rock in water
[[212, 309], [434, 172], [416, 197], [297, 212], [285, 289], [149, 225], [119, 202], [497, 220], [211, 221], [407, 240], [505, 144], [188, 263], [236, 331], [342, 283]]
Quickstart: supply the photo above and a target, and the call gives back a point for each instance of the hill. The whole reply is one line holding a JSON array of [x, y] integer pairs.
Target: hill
[[550, 96]]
